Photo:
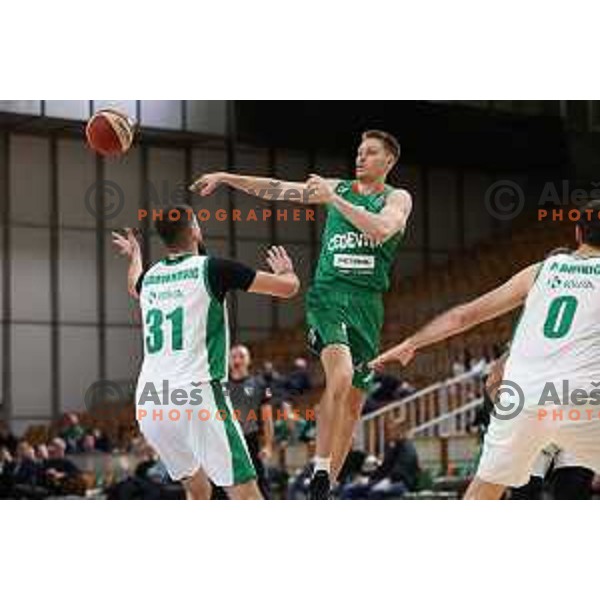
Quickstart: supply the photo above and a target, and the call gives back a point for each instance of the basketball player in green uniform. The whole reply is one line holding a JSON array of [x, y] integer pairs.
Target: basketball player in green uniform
[[366, 219]]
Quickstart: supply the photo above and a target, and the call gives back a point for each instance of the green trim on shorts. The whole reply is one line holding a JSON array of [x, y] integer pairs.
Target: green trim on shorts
[[243, 469]]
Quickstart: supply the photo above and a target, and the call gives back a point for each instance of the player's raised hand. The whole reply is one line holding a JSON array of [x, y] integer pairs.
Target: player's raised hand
[[319, 189], [126, 243], [402, 353], [279, 260], [207, 184]]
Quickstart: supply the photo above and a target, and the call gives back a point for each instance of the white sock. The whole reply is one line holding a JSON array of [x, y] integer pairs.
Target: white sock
[[323, 464]]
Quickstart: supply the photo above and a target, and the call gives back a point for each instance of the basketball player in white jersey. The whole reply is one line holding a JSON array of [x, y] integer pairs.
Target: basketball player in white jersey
[[182, 401], [557, 341]]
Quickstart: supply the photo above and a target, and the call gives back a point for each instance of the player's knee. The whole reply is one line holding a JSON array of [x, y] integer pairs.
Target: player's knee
[[197, 488], [340, 381], [197, 492]]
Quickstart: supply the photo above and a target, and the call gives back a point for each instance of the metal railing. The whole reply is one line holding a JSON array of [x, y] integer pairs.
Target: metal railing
[[443, 409]]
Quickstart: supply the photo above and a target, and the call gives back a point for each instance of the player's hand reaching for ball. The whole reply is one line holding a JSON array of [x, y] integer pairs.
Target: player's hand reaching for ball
[[126, 243], [207, 184], [402, 353], [279, 261], [283, 281], [319, 189]]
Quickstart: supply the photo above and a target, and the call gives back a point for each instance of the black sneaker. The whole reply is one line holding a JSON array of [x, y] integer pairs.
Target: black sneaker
[[319, 488]]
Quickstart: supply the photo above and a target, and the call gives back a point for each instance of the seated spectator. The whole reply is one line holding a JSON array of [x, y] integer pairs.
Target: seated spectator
[[72, 432], [88, 444], [398, 472], [25, 470], [41, 452], [298, 381], [458, 367], [102, 443], [149, 482], [386, 388], [273, 381], [405, 390], [7, 439], [21, 477], [6, 461], [58, 474], [352, 467]]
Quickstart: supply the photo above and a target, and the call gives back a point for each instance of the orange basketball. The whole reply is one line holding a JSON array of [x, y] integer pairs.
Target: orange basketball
[[109, 132]]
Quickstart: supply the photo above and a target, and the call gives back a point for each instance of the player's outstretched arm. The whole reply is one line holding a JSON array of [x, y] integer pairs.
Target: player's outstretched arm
[[263, 187], [283, 281], [127, 245], [503, 299], [378, 226]]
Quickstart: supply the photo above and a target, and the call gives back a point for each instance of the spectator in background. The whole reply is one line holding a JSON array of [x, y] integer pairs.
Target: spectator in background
[[6, 461], [386, 388], [7, 439], [150, 480], [458, 367], [21, 476], [72, 432], [270, 379], [25, 469], [88, 444], [383, 391], [406, 389], [58, 473], [41, 453], [101, 441], [398, 472], [298, 381], [5, 458]]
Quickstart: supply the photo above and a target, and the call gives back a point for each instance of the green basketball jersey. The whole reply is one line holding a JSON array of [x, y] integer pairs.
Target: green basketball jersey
[[348, 256]]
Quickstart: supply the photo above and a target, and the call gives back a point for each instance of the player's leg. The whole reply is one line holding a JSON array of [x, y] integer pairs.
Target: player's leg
[[244, 491], [337, 364], [223, 450], [510, 450], [364, 322], [197, 487], [351, 410], [483, 490], [172, 442], [327, 317]]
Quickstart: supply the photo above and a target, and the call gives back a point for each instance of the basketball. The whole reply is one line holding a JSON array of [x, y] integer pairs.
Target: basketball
[[109, 132]]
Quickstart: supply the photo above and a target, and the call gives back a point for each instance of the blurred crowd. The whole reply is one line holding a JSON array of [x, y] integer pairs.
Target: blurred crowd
[[79, 455], [82, 456]]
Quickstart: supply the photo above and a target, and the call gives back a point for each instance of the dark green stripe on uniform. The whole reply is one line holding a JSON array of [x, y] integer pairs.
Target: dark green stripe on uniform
[[243, 470], [216, 333]]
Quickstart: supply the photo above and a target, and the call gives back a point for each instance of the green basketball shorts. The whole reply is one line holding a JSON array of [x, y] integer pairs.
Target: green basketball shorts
[[350, 317]]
